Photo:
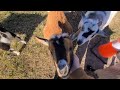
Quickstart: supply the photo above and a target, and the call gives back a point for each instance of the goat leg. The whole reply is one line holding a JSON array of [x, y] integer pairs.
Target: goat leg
[[15, 52], [18, 38]]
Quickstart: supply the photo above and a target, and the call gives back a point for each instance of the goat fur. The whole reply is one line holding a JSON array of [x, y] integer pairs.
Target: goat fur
[[52, 24]]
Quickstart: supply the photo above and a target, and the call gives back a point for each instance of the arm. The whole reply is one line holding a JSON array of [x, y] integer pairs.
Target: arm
[[77, 72]]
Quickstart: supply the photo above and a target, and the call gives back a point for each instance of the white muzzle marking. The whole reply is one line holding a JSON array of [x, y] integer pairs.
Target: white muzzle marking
[[63, 68]]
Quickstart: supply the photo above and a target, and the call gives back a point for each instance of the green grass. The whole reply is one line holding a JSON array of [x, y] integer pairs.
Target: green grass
[[34, 61]]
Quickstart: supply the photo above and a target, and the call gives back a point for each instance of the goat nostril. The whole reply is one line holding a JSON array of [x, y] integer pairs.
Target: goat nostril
[[79, 42], [61, 66]]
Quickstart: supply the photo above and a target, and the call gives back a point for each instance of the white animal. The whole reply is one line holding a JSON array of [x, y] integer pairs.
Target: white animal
[[93, 23], [6, 38]]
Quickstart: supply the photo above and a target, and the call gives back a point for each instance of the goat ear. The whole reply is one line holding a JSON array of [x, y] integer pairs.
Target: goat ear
[[102, 33], [82, 14], [83, 17], [42, 40], [80, 23]]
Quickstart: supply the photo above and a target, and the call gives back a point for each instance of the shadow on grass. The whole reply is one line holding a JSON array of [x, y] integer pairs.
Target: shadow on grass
[[23, 24]]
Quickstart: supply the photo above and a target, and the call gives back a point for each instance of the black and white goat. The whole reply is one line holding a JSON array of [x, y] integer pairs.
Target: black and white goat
[[93, 23], [5, 40]]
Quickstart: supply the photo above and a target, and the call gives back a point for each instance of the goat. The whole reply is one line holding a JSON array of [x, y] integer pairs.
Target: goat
[[56, 35], [60, 45], [6, 38], [54, 19], [93, 23]]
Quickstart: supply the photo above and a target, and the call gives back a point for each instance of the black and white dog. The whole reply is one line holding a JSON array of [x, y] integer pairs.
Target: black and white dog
[[6, 38], [93, 23]]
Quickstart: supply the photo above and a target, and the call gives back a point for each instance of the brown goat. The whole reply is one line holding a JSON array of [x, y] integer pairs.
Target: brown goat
[[52, 25], [60, 44], [56, 35]]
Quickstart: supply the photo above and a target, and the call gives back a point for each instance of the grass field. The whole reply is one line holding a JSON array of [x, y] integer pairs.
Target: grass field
[[35, 61]]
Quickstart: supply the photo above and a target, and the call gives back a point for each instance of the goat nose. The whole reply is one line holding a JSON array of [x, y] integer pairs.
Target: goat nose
[[79, 42], [62, 64]]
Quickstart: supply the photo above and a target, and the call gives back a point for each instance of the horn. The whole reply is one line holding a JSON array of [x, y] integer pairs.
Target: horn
[[82, 14], [74, 35]]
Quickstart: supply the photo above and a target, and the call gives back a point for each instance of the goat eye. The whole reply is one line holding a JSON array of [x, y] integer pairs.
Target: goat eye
[[93, 25], [89, 29]]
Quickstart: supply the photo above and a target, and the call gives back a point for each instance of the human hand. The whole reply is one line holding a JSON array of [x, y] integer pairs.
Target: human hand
[[76, 64], [77, 72]]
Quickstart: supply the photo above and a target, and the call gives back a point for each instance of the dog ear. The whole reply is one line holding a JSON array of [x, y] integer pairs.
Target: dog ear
[[42, 40]]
